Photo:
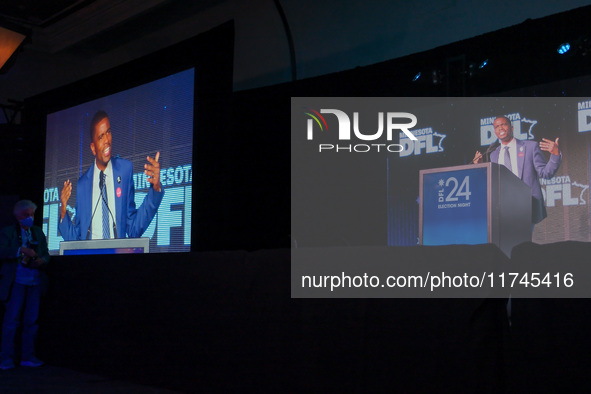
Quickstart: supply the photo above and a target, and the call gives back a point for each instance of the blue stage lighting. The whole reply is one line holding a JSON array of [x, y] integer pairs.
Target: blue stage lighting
[[483, 64], [417, 76], [563, 48]]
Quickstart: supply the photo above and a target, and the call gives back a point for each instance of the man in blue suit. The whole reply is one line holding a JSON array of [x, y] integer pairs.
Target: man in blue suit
[[105, 206], [526, 160]]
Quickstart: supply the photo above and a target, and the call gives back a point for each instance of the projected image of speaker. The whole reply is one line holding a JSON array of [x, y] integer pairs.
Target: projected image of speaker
[[120, 168]]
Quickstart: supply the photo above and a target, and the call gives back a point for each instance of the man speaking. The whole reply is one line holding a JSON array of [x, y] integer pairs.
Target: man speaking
[[525, 160], [105, 205]]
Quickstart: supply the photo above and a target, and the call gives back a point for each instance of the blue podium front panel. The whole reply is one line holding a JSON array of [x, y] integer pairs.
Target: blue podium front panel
[[455, 207]]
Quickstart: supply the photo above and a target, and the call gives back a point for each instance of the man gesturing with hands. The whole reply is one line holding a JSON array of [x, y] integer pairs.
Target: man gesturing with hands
[[526, 161], [105, 205]]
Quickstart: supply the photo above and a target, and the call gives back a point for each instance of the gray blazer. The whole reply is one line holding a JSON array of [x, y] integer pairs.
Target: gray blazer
[[531, 166]]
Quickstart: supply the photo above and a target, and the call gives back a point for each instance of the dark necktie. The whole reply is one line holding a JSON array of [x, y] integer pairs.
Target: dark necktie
[[106, 232], [508, 159]]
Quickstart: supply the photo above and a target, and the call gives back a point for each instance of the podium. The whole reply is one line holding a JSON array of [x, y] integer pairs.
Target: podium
[[474, 204], [106, 246]]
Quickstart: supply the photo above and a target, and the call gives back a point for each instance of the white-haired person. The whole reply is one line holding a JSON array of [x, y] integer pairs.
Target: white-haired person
[[23, 254]]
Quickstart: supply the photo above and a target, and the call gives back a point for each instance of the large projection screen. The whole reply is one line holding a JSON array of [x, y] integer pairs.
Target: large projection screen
[[153, 117]]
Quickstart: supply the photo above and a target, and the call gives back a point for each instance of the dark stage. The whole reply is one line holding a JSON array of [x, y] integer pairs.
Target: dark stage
[[224, 321]]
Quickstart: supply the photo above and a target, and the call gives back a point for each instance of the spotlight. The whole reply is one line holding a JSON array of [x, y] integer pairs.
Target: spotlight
[[563, 48], [416, 77], [483, 64]]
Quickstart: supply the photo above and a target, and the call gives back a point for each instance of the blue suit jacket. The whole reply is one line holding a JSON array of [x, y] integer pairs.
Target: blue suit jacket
[[131, 222], [531, 166]]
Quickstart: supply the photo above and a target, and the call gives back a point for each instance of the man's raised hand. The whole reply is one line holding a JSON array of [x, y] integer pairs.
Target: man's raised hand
[[64, 197], [550, 146], [152, 171]]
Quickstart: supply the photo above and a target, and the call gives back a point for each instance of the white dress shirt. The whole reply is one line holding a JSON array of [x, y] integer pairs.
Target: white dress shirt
[[513, 153]]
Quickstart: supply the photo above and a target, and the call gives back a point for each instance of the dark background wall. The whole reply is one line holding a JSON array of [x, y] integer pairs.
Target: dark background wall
[[243, 139], [211, 320], [275, 40]]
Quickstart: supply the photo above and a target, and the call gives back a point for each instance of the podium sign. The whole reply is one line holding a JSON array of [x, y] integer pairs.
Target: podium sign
[[474, 204], [454, 207]]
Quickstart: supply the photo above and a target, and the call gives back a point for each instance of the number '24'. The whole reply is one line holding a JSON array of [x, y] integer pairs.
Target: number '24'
[[462, 191]]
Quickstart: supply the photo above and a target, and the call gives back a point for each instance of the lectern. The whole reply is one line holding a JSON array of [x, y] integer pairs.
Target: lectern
[[474, 204], [106, 246]]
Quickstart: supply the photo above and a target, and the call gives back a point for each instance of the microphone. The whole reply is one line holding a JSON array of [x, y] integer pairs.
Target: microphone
[[490, 149]]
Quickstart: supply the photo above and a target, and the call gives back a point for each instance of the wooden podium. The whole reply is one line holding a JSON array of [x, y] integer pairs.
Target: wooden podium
[[474, 204]]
